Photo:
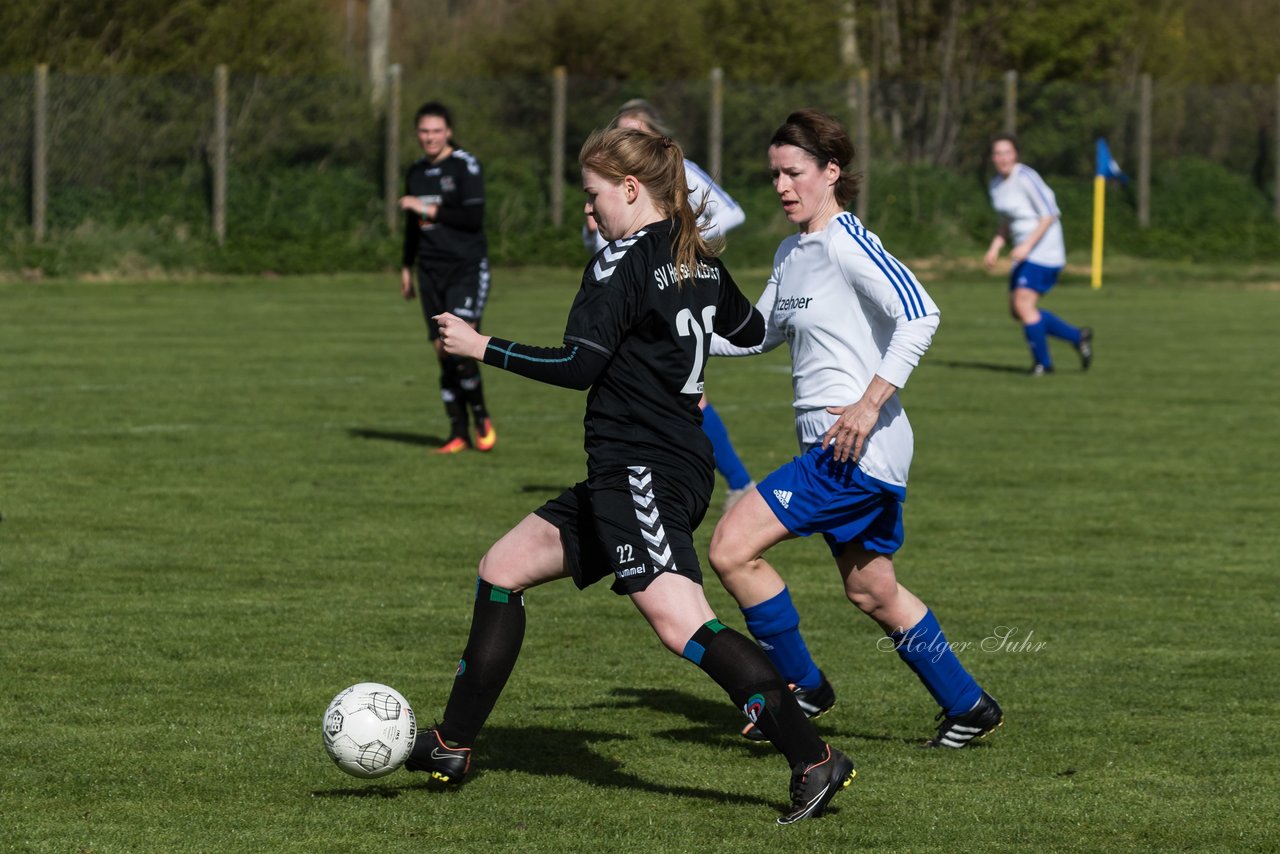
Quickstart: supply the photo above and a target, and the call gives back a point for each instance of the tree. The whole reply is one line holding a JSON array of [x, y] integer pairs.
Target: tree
[[168, 36]]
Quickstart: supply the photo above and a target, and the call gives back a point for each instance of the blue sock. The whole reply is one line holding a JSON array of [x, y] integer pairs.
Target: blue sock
[[1059, 328], [1037, 342], [775, 624], [925, 650], [727, 462]]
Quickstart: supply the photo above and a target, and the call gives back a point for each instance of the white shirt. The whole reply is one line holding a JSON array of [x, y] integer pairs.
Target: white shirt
[[849, 311], [1022, 200], [721, 214]]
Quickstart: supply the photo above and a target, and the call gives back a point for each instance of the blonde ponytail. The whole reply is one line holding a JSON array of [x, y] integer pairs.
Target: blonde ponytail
[[657, 162]]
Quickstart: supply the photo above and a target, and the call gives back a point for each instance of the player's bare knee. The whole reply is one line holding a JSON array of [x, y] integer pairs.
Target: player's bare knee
[[726, 558], [868, 601], [672, 641]]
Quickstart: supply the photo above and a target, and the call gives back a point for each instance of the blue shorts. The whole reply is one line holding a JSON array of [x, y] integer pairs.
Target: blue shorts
[[813, 494], [1038, 278]]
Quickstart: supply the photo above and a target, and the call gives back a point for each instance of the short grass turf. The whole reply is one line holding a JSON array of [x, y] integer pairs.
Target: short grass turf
[[218, 508]]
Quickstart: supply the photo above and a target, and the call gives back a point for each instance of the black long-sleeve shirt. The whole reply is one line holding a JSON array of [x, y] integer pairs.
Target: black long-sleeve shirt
[[454, 183], [638, 335]]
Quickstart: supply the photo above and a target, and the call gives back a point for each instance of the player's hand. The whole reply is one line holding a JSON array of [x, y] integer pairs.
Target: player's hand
[[412, 203], [1019, 253], [847, 436], [406, 284], [459, 338], [991, 258]]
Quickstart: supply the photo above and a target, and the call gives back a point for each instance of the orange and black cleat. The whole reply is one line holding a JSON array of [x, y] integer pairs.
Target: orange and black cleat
[[486, 436], [456, 445]]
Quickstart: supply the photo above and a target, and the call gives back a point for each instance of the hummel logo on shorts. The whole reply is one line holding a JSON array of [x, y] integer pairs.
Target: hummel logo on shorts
[[783, 496]]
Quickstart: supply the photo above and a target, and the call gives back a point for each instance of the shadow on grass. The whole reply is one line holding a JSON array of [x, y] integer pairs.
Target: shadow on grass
[[395, 436], [977, 366], [565, 752], [548, 488], [714, 721], [364, 792]]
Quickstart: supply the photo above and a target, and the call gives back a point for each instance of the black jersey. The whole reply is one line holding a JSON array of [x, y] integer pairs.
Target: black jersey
[[656, 333], [456, 184]]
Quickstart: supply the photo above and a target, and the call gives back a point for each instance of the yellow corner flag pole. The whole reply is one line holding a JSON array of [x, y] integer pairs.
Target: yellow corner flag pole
[[1099, 207], [1104, 167]]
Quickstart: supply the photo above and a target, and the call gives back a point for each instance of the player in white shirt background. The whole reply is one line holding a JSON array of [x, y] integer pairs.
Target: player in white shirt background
[[857, 322], [720, 214], [1030, 220]]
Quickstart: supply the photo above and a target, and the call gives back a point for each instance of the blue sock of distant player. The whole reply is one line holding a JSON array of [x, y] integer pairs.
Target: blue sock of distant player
[[1038, 343], [925, 650], [727, 462], [775, 624], [1059, 328]]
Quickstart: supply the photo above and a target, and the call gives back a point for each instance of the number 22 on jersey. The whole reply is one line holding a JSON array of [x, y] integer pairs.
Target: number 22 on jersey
[[686, 325]]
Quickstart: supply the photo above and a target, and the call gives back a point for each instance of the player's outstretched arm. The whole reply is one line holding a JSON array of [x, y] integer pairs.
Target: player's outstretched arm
[[569, 366]]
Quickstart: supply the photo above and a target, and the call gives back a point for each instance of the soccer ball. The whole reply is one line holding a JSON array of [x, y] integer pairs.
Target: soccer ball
[[369, 729]]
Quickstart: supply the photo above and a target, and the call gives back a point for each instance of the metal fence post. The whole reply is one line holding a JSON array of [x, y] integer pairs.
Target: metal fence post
[[220, 80], [715, 123], [391, 165], [40, 154], [1144, 154], [863, 144], [559, 100], [1011, 102]]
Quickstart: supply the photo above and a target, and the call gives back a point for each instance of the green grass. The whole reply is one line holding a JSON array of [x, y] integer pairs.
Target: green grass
[[218, 510]]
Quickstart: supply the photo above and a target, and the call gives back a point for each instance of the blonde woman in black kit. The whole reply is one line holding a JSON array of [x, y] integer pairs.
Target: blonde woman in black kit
[[637, 337]]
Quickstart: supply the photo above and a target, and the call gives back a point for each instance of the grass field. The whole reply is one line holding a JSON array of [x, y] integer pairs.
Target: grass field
[[218, 509]]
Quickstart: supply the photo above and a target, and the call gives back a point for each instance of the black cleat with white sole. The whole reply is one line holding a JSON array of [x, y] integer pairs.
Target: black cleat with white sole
[[1085, 347], [976, 723], [814, 784]]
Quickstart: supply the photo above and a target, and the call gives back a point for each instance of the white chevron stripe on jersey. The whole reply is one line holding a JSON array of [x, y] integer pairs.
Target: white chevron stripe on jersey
[[654, 539], [611, 255], [641, 481], [646, 516]]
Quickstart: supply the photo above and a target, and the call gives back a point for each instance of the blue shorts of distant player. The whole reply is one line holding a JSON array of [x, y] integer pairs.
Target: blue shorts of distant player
[[1039, 279], [814, 494]]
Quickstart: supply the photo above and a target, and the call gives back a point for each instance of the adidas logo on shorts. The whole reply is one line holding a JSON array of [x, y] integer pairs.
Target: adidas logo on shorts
[[783, 496]]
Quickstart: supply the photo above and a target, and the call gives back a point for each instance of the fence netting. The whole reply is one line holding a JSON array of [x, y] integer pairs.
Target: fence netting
[[129, 149]]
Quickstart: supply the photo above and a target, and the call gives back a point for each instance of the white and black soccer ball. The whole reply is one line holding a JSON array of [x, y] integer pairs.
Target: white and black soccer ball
[[369, 729]]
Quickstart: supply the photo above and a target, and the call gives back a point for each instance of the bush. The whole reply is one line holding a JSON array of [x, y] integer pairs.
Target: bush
[[321, 219]]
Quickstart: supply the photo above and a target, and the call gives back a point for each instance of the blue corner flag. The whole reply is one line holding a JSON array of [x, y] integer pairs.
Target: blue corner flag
[[1106, 165]]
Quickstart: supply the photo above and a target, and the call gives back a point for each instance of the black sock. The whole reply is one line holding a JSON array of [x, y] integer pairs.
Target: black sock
[[743, 670], [497, 631], [472, 387], [454, 407]]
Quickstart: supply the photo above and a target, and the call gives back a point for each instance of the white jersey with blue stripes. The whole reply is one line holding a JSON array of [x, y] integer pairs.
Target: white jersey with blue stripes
[[849, 311], [1022, 200], [720, 215]]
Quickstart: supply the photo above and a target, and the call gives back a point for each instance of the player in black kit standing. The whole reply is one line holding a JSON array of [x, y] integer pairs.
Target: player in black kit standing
[[637, 336], [444, 231]]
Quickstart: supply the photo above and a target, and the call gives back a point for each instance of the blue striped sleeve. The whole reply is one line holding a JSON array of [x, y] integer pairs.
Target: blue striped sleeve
[[897, 275]]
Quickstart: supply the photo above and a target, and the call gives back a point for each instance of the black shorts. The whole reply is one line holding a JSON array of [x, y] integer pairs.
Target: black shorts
[[461, 288], [631, 524]]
